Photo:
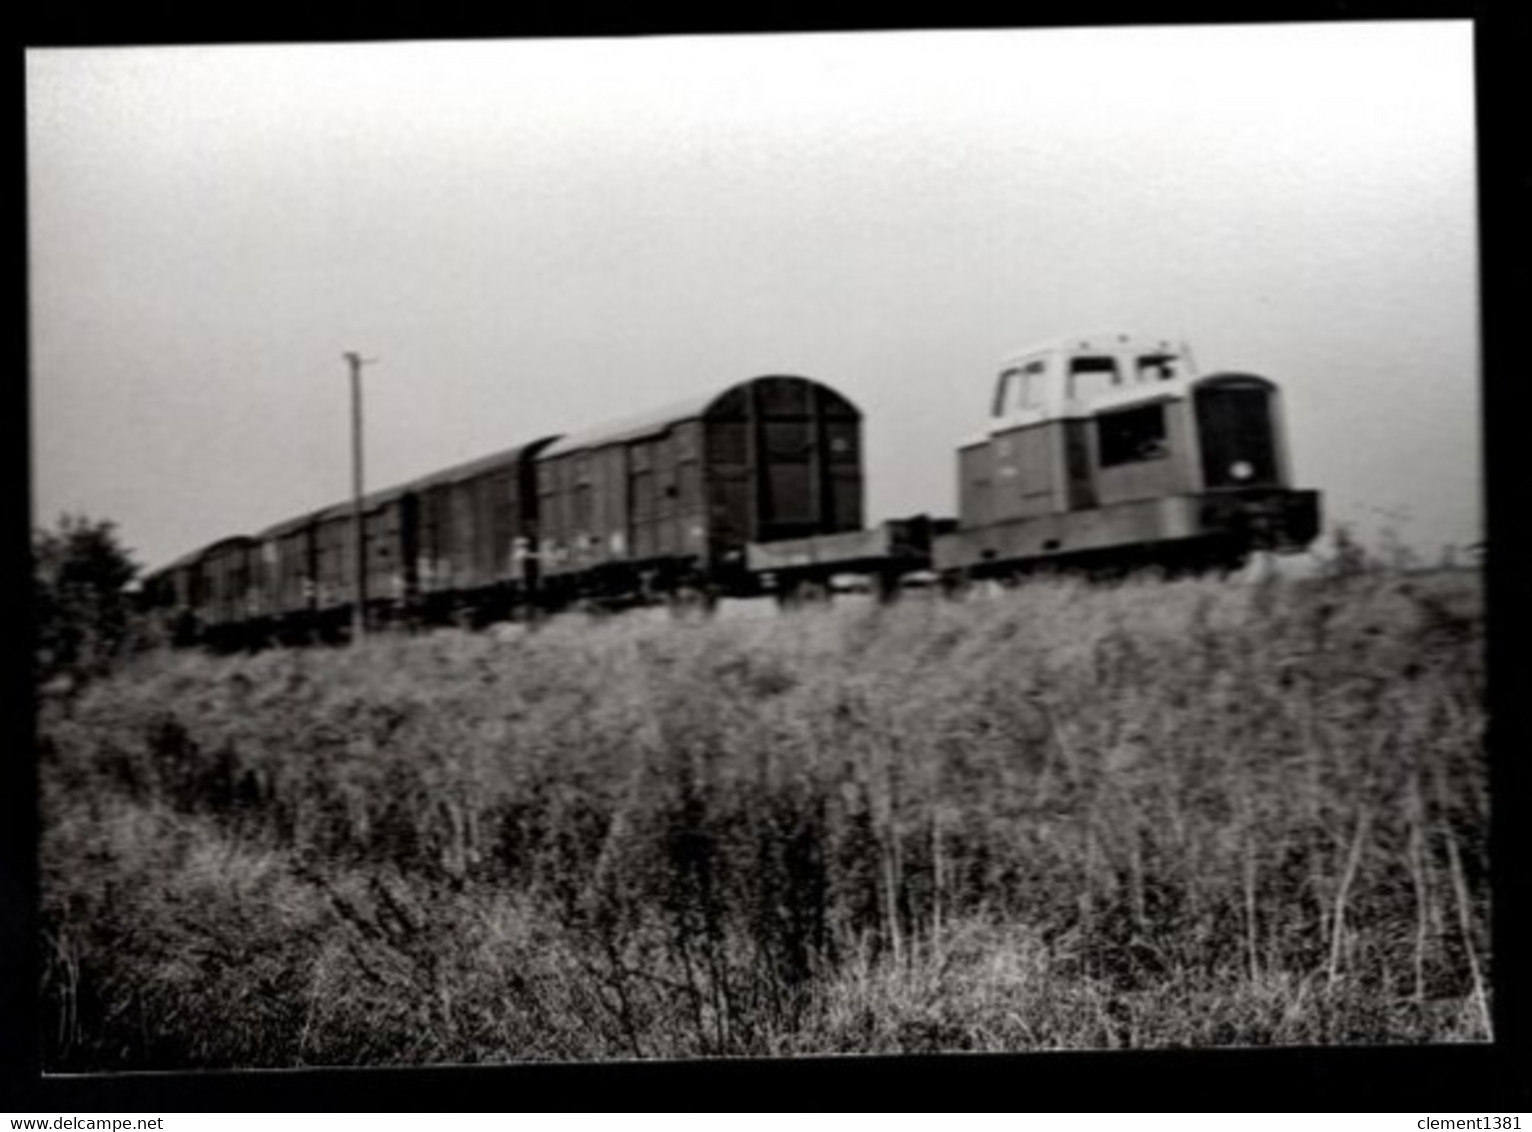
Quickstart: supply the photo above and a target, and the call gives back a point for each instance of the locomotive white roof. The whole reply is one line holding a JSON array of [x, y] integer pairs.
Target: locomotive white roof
[[1061, 398], [1103, 342]]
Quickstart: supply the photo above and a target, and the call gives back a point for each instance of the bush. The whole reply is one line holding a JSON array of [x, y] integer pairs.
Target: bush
[[81, 609], [1148, 814]]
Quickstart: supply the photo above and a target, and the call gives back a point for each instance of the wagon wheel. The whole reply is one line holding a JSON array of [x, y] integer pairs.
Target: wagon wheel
[[955, 584], [817, 591], [786, 593], [797, 591], [692, 597]]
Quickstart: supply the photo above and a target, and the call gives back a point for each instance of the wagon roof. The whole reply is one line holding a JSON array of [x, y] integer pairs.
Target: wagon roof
[[631, 428], [192, 556], [370, 502], [656, 420], [231, 540], [375, 499], [287, 526], [507, 457], [176, 563]]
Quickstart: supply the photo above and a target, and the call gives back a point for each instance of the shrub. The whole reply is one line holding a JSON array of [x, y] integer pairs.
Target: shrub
[[80, 607], [1151, 813]]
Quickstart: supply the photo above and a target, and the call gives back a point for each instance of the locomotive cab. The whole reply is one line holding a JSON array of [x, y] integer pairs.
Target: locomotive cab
[[1078, 424]]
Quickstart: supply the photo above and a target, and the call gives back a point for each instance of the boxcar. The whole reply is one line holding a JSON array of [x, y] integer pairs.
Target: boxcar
[[387, 552], [470, 534], [174, 585], [172, 594], [459, 539], [673, 497], [287, 552], [231, 590]]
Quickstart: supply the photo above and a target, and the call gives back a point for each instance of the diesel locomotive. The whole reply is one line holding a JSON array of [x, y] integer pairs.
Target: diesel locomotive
[[1100, 453], [1103, 451]]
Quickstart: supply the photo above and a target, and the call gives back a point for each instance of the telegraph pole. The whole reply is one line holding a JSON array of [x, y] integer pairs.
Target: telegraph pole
[[359, 540]]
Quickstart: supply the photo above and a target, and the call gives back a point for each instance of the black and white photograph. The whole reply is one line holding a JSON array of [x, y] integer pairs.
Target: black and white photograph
[[681, 547]]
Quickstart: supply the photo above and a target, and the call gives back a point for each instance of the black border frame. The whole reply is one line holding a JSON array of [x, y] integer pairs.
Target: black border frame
[[1428, 1079]]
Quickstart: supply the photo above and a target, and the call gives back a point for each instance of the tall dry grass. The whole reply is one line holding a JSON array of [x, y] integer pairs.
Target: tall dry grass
[[1152, 814]]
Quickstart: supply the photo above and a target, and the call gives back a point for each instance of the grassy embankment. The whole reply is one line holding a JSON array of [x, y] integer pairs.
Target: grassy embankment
[[1157, 814]]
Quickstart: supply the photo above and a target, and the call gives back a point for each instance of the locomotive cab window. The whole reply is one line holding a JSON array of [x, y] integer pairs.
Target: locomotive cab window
[[1005, 392], [1092, 376], [1020, 387], [1158, 367], [1132, 436]]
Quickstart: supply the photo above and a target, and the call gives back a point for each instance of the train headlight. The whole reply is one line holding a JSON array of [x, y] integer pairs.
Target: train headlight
[[1241, 470]]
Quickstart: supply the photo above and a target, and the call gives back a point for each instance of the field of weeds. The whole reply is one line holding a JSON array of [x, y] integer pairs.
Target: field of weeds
[[1183, 813]]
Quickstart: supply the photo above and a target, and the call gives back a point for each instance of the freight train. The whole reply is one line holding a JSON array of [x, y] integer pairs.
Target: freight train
[[1099, 452]]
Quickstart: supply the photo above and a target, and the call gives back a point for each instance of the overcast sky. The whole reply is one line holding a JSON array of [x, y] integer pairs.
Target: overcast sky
[[536, 236]]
